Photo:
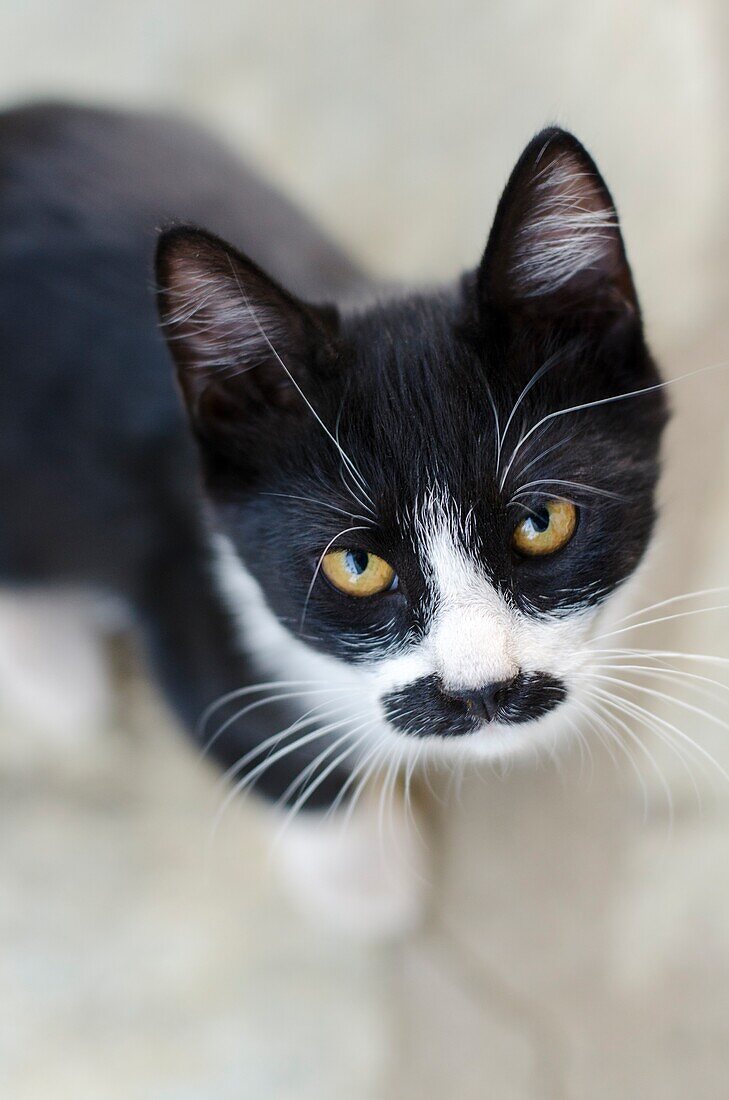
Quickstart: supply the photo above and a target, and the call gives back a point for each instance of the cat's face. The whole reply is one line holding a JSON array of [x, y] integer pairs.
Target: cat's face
[[441, 491]]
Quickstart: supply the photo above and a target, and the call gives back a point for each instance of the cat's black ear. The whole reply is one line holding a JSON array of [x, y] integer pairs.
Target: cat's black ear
[[244, 347], [556, 246]]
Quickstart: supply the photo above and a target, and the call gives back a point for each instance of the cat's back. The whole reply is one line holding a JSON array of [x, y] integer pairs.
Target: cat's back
[[87, 402], [105, 175], [83, 194]]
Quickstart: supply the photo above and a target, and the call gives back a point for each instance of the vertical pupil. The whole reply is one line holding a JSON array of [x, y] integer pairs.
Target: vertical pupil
[[357, 561], [540, 519]]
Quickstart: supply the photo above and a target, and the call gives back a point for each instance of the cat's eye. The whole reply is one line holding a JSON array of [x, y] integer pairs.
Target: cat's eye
[[546, 529], [358, 573]]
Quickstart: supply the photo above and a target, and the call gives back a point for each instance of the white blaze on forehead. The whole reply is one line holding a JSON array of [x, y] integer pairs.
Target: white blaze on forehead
[[473, 634]]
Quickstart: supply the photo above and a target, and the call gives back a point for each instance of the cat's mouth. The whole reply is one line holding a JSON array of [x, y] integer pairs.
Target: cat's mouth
[[427, 708]]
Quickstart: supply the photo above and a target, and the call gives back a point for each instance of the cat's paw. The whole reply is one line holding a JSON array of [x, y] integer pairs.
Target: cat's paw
[[54, 686], [365, 876]]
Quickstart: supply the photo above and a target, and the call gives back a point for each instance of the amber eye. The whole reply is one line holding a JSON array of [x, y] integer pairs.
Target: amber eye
[[546, 529], [358, 573]]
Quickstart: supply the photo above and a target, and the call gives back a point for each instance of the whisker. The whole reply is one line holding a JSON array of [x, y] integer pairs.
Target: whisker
[[378, 757], [668, 674], [664, 697], [250, 778], [318, 503], [585, 748], [662, 730], [325, 551], [387, 795], [547, 365], [710, 658], [249, 690], [659, 718], [570, 485], [317, 781], [308, 718], [261, 703], [661, 619], [342, 453], [634, 739], [547, 451], [352, 778], [603, 401], [497, 430], [673, 599], [311, 768]]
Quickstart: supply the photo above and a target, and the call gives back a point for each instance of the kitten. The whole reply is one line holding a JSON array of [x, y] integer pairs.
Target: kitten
[[403, 512]]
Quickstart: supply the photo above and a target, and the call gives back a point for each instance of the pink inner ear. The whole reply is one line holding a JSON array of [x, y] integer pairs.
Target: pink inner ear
[[569, 232], [215, 315]]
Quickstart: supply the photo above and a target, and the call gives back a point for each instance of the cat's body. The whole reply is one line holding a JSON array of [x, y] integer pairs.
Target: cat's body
[[412, 511], [97, 466]]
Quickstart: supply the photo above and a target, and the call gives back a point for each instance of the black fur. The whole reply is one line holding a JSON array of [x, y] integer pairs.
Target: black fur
[[423, 708], [100, 478]]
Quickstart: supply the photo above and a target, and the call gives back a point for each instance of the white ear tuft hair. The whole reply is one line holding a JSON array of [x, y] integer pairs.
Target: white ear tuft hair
[[570, 230], [556, 244], [239, 340], [220, 316]]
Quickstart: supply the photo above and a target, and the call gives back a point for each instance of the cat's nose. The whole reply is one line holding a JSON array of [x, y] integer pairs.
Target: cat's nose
[[484, 702]]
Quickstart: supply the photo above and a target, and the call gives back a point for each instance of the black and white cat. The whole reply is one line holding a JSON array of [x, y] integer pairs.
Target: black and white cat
[[391, 519]]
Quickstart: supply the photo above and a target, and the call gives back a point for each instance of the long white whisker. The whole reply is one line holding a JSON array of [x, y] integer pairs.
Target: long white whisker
[[354, 775], [635, 739], [318, 503], [325, 551], [664, 697], [659, 718], [673, 599], [660, 728], [661, 619], [308, 718], [570, 485], [710, 658], [311, 768], [497, 430], [255, 706], [250, 778], [547, 365], [547, 451], [603, 401], [377, 757], [317, 780], [342, 453], [584, 746], [249, 690], [667, 674]]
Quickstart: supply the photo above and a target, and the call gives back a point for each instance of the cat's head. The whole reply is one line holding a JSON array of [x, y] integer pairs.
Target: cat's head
[[442, 489]]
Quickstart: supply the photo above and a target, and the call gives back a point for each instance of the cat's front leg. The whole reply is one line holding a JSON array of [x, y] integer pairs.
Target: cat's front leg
[[362, 870], [360, 867]]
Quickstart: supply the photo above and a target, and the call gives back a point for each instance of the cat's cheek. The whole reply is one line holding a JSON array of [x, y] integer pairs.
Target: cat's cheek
[[397, 672]]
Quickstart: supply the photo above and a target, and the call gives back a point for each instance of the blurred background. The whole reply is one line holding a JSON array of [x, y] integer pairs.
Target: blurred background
[[577, 944]]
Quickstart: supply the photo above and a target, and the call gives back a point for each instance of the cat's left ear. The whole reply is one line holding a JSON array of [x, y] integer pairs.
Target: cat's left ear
[[244, 347], [555, 246]]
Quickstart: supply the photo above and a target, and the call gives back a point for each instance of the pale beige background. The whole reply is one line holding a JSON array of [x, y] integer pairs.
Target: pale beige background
[[574, 949]]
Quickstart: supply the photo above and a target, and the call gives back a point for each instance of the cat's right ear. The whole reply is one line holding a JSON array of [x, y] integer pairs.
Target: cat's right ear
[[555, 249], [243, 346]]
